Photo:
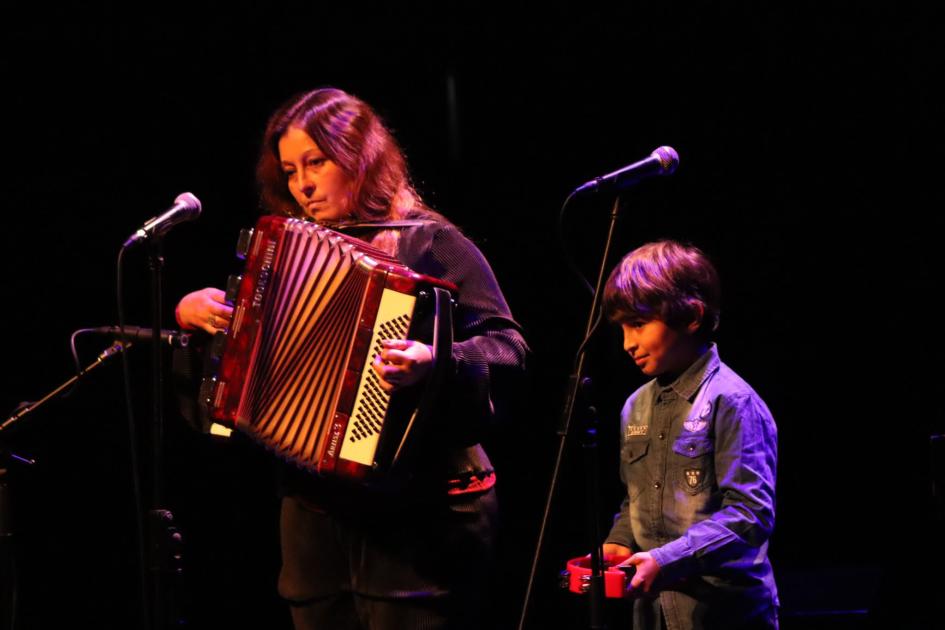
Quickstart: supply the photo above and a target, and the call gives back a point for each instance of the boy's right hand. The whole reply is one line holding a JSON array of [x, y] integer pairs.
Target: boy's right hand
[[205, 309]]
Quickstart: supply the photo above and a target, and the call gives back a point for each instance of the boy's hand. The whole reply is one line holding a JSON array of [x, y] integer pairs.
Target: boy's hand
[[613, 550], [646, 570]]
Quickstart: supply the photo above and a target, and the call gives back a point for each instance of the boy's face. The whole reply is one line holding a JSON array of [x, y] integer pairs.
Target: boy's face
[[658, 349]]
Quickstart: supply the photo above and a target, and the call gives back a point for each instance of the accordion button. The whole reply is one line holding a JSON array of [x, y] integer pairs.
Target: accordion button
[[233, 288], [217, 346], [242, 245], [206, 389]]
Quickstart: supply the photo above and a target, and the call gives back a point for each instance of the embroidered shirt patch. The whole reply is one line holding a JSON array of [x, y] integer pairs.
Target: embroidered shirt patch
[[706, 410], [637, 429], [698, 422], [693, 477]]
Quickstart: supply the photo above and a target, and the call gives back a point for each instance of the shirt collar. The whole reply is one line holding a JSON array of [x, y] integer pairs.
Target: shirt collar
[[696, 374]]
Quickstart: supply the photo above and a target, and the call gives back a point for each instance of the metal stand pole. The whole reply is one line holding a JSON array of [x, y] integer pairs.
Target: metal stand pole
[[576, 383]]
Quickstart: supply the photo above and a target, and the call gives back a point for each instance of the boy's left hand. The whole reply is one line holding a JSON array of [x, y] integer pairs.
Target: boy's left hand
[[646, 570]]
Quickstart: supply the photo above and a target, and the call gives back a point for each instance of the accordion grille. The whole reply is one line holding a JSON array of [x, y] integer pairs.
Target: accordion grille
[[311, 314]]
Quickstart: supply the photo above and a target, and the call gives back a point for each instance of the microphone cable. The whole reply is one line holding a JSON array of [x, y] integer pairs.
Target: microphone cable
[[573, 267], [75, 358]]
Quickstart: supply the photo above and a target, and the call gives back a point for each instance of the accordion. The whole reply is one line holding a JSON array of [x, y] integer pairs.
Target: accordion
[[293, 371]]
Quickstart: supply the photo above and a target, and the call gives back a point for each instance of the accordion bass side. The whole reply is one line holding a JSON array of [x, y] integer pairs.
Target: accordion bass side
[[294, 372]]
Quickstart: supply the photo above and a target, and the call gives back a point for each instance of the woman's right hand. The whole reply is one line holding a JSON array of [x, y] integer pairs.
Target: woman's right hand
[[205, 309]]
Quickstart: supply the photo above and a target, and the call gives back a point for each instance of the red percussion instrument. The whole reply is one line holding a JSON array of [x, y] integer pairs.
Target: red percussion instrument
[[577, 577]]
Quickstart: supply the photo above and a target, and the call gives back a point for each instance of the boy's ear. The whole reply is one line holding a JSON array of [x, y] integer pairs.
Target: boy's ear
[[698, 313]]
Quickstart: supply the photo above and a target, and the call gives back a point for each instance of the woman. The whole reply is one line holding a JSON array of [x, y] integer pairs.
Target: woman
[[418, 558]]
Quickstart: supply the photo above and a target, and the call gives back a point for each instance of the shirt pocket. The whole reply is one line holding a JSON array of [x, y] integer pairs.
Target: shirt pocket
[[695, 464], [633, 461]]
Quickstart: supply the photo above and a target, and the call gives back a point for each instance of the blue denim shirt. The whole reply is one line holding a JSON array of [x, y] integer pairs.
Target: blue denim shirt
[[698, 457]]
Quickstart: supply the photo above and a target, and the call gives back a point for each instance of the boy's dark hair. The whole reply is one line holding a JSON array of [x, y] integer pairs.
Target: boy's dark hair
[[664, 280]]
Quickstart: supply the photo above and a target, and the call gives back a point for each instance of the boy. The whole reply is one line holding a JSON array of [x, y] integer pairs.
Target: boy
[[698, 454]]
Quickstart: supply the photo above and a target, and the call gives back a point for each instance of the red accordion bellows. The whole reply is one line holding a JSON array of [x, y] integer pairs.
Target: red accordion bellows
[[295, 372]]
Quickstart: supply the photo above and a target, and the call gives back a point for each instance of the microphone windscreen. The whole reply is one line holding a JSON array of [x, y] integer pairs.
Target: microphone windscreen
[[189, 204], [668, 158]]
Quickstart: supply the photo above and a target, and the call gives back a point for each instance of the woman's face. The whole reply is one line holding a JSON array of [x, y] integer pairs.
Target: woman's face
[[317, 184]]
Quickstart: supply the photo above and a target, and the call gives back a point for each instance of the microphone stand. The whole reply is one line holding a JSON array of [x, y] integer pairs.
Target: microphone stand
[[8, 571], [164, 539], [111, 351], [578, 387]]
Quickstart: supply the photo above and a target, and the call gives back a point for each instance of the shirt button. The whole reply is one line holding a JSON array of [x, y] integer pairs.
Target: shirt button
[[657, 485], [661, 436]]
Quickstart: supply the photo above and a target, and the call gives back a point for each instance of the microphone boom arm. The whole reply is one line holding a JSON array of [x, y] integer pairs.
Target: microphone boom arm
[[116, 348]]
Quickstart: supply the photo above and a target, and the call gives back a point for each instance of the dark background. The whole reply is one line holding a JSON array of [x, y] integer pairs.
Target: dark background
[[809, 141]]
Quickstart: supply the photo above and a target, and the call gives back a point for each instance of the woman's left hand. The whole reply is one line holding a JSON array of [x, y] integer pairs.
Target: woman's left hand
[[402, 362]]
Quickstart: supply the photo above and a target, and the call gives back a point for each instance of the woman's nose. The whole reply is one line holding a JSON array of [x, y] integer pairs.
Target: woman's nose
[[306, 185]]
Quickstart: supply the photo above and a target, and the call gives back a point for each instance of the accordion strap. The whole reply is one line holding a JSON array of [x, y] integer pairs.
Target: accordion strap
[[379, 225], [442, 360]]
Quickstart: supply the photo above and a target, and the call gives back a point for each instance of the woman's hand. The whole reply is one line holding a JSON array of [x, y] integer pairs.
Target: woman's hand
[[205, 309], [402, 362]]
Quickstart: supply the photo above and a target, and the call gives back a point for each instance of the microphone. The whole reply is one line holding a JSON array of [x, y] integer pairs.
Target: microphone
[[662, 161], [172, 338], [186, 208]]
